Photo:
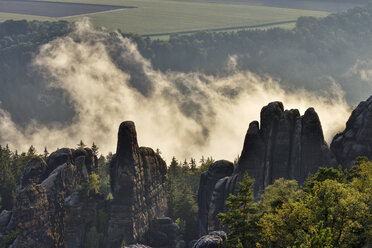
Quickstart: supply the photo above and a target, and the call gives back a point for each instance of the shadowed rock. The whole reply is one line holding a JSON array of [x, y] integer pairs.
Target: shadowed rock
[[34, 172], [356, 139], [212, 240], [208, 180], [164, 232], [138, 182], [51, 211], [286, 145], [39, 212]]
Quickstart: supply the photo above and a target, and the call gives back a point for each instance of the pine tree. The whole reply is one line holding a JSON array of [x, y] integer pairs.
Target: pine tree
[[46, 153], [31, 151], [241, 215], [81, 145], [192, 164], [202, 160], [95, 149], [173, 167]]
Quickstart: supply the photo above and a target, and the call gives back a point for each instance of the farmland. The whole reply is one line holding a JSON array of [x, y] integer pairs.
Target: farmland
[[165, 17], [52, 9]]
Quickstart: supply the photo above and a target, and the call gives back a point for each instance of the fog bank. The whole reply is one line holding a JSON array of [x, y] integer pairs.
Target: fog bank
[[182, 114]]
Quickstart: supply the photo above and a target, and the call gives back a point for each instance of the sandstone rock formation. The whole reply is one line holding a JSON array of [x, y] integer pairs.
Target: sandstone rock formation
[[356, 139], [39, 212], [285, 145], [208, 180], [52, 210], [138, 182]]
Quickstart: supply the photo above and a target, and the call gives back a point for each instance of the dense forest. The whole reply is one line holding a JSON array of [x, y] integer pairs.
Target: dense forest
[[182, 188], [312, 55], [332, 208]]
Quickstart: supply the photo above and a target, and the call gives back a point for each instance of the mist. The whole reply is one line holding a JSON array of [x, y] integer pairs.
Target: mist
[[106, 81]]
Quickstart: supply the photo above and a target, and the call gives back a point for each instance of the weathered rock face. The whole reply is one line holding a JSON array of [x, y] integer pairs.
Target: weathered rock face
[[50, 211], [137, 246], [34, 173], [164, 232], [356, 139], [208, 180], [138, 182], [82, 216], [212, 240], [4, 219], [39, 212], [286, 145]]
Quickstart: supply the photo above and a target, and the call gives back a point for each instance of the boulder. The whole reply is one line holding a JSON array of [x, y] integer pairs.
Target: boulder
[[165, 233], [4, 219], [212, 240], [136, 246]]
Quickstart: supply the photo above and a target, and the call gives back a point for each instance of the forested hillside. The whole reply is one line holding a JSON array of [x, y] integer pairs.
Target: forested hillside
[[314, 55], [332, 209], [317, 53]]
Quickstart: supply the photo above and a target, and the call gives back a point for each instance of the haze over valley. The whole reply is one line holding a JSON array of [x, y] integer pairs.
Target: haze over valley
[[185, 123]]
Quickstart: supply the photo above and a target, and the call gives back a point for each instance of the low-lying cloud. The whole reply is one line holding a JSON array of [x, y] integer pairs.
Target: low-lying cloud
[[108, 81]]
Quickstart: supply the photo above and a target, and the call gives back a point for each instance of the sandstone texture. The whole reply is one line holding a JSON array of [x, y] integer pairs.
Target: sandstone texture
[[284, 144], [164, 232], [53, 211], [38, 213], [208, 180], [138, 182], [356, 139]]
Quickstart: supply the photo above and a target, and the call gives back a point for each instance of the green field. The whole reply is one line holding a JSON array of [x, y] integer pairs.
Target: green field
[[164, 17]]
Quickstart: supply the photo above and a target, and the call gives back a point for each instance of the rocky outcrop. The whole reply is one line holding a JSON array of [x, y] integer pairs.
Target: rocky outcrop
[[39, 212], [164, 232], [56, 207], [137, 246], [212, 240], [4, 219], [35, 172], [138, 182], [285, 145], [356, 139], [208, 180], [86, 220]]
